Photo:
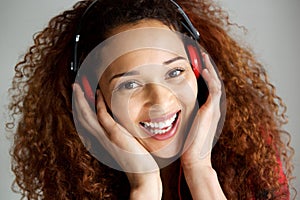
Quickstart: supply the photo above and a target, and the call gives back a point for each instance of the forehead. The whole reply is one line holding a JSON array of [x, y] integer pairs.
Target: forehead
[[151, 38], [136, 59]]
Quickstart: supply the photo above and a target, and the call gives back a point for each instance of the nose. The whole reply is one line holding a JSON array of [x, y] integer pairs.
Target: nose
[[159, 98]]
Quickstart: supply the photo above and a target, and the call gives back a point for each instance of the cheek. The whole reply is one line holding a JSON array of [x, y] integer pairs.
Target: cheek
[[125, 110], [190, 92], [186, 90]]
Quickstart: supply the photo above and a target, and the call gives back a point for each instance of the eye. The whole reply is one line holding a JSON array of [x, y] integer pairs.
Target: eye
[[175, 72], [128, 85]]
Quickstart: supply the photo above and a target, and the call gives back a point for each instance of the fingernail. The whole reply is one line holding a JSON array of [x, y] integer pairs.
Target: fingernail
[[204, 55]]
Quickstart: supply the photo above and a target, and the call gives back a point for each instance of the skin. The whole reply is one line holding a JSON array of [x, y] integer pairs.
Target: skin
[[124, 139], [151, 98]]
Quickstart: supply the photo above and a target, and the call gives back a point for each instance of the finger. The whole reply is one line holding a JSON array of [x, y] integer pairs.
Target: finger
[[105, 119], [103, 116], [211, 77], [81, 106], [210, 67], [213, 87], [84, 113], [114, 131], [90, 120]]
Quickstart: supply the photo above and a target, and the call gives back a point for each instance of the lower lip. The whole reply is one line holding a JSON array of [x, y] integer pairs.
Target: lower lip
[[165, 135]]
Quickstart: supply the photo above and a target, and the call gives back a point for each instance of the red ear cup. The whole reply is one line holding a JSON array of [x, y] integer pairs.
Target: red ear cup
[[195, 60], [88, 91]]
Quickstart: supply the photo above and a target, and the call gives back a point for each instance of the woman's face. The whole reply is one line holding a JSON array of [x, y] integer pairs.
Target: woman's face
[[152, 93]]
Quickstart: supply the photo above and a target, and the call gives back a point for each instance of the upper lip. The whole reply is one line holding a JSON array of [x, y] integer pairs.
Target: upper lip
[[161, 119]]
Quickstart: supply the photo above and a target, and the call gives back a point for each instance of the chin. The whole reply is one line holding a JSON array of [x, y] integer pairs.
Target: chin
[[170, 150], [166, 155]]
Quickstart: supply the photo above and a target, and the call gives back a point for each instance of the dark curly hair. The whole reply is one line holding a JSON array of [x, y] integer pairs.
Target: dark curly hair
[[49, 159]]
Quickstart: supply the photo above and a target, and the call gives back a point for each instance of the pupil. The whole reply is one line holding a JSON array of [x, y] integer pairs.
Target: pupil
[[129, 85]]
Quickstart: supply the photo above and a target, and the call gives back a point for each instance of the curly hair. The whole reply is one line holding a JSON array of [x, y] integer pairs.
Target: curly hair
[[49, 159]]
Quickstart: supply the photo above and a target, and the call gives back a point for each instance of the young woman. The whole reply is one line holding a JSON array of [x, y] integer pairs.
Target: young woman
[[153, 113]]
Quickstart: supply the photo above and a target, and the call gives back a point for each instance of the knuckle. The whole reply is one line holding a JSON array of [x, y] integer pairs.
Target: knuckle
[[113, 132]]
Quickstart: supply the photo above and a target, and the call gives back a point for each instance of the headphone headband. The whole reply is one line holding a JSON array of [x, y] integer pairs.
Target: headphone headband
[[187, 24]]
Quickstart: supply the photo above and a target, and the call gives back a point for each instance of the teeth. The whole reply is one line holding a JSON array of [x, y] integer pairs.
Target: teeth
[[160, 127], [160, 131]]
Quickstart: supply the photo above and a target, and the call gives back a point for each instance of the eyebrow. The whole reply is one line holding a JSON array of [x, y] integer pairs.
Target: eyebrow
[[131, 73], [173, 60]]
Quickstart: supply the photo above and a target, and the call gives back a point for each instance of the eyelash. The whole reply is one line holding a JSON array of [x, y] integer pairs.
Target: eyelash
[[124, 84], [181, 70]]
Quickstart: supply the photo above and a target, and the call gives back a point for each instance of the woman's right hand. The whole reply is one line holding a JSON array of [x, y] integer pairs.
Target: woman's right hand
[[138, 164]]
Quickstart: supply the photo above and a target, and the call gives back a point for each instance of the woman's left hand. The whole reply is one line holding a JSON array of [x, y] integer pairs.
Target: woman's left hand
[[196, 160], [200, 139]]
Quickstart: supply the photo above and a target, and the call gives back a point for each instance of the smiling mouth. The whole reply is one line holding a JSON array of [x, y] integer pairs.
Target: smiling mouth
[[162, 128]]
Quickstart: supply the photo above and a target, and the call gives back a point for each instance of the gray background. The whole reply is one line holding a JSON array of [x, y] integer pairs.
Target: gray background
[[273, 31]]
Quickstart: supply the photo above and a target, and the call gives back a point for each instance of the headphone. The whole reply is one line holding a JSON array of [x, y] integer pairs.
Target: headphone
[[192, 49]]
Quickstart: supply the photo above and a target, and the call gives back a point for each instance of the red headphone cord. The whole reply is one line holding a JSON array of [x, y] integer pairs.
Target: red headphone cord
[[179, 182]]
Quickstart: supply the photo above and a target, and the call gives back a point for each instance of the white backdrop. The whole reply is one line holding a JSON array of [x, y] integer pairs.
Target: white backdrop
[[273, 31]]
